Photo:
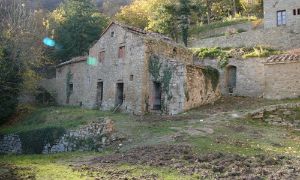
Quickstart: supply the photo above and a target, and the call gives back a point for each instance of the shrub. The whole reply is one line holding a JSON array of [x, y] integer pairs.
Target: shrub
[[213, 53], [33, 141], [261, 52]]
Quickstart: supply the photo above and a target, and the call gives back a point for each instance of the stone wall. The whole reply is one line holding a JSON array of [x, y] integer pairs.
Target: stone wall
[[282, 80], [199, 88], [79, 72], [278, 38], [10, 144], [272, 6], [249, 78]]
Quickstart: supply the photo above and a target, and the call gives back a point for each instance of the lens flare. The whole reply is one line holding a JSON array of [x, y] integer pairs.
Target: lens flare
[[49, 42], [92, 61]]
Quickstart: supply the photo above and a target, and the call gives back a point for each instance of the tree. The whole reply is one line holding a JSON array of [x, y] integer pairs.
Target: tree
[[76, 24], [185, 11], [21, 32], [164, 19], [136, 14]]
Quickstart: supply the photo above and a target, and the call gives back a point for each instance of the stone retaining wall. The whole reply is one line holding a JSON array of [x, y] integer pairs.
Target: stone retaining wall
[[94, 136], [278, 38], [10, 144]]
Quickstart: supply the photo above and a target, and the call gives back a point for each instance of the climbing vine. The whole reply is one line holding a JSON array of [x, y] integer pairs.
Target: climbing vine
[[166, 81], [154, 67], [213, 75], [68, 81]]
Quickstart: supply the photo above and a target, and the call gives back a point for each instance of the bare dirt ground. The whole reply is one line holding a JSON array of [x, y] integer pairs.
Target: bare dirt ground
[[184, 160]]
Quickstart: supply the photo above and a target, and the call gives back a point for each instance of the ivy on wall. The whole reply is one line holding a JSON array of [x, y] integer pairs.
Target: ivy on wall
[[155, 69], [213, 75]]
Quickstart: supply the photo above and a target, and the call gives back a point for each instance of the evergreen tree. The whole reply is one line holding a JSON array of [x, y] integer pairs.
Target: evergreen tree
[[184, 10], [77, 24]]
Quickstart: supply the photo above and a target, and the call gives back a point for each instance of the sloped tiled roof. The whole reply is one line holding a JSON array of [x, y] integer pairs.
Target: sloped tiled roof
[[283, 58], [141, 32], [72, 61]]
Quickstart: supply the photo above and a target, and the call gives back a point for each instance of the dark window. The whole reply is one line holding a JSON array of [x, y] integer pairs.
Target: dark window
[[131, 77], [121, 53], [112, 34], [298, 11], [281, 18], [231, 78], [295, 12], [101, 56]]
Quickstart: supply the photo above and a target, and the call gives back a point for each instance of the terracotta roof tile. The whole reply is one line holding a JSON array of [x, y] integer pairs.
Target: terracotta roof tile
[[72, 61], [283, 58]]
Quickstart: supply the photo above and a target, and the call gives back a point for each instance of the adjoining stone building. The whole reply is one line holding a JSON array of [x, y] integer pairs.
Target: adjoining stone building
[[280, 29], [276, 77], [136, 71], [282, 13]]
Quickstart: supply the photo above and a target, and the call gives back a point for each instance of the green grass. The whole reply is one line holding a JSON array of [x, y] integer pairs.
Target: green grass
[[219, 24], [234, 136], [65, 117], [48, 166]]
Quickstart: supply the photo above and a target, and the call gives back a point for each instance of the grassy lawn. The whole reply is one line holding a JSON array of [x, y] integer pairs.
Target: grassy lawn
[[210, 129]]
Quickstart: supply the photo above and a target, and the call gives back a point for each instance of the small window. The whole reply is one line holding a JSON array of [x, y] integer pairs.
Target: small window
[[71, 88], [101, 56], [295, 12], [121, 53], [298, 11], [131, 78], [112, 34], [281, 18]]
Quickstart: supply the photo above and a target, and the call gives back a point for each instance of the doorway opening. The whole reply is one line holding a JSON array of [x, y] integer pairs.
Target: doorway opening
[[120, 94], [157, 92], [231, 78], [99, 93]]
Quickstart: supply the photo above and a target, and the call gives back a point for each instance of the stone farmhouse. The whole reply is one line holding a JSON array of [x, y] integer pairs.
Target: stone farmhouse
[[135, 71]]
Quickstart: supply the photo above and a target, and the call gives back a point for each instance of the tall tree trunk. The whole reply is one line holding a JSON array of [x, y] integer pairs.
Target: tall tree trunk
[[234, 8], [208, 6]]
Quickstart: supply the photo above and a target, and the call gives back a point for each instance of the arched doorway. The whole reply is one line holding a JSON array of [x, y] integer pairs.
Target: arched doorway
[[231, 78]]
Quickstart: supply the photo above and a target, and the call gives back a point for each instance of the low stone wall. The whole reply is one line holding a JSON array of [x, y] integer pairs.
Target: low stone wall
[[278, 38], [279, 115], [10, 144], [94, 136]]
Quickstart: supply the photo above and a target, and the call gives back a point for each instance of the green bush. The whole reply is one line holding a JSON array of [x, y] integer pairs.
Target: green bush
[[213, 53], [261, 52], [33, 141], [213, 75]]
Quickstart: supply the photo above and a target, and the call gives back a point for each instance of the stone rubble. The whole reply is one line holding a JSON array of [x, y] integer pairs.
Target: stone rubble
[[94, 136]]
